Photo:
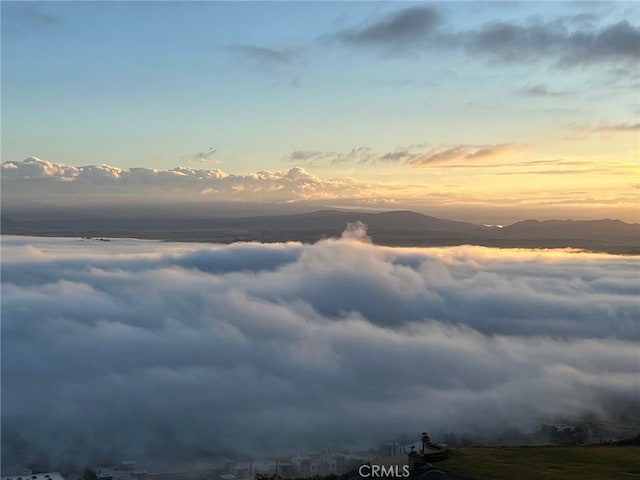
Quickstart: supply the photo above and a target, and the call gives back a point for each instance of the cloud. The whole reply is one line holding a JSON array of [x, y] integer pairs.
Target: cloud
[[414, 155], [575, 167], [513, 43], [33, 167], [38, 189], [620, 41], [205, 155], [308, 157], [616, 127], [402, 28], [564, 40], [604, 128], [462, 152], [550, 172], [356, 231], [262, 57], [22, 18], [398, 155], [300, 155], [34, 178], [540, 91], [358, 155], [453, 153], [249, 347]]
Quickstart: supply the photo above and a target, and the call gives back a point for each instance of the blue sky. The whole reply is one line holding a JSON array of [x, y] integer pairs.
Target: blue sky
[[157, 84]]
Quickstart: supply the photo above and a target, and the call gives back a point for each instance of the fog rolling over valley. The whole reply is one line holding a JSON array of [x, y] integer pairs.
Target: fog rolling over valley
[[165, 351]]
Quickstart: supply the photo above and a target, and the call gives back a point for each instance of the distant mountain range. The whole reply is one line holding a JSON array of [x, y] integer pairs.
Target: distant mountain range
[[399, 228]]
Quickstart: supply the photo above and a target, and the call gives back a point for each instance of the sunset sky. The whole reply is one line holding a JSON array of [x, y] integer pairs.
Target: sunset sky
[[487, 111]]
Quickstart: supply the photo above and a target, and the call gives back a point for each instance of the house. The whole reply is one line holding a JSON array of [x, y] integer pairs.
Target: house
[[36, 476]]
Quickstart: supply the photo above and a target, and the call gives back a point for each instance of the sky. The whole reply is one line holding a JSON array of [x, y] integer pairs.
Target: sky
[[487, 111], [165, 351]]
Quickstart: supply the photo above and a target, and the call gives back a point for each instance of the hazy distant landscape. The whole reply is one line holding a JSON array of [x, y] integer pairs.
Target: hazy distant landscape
[[386, 228]]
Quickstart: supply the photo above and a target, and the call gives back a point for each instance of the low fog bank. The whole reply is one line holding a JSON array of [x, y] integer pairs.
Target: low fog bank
[[149, 350]]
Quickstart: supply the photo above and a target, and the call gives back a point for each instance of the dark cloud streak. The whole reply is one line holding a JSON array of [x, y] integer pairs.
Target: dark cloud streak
[[19, 18], [262, 57], [540, 91], [403, 28], [564, 41]]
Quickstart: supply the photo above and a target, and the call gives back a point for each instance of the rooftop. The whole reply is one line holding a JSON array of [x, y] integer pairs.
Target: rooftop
[[36, 476]]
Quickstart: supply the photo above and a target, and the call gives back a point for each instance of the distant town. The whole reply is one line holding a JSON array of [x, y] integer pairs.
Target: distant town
[[418, 455]]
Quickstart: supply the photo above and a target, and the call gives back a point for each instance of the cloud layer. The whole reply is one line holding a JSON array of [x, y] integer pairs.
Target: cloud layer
[[166, 350], [35, 187], [34, 177], [414, 155]]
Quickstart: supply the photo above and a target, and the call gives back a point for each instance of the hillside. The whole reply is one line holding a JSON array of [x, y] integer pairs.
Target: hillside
[[600, 229], [394, 228], [545, 462]]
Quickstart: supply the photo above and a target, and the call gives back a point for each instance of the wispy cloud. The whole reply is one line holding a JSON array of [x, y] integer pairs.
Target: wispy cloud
[[308, 157], [462, 152], [415, 155], [616, 127], [398, 156], [559, 161], [357, 155], [262, 57], [605, 128], [304, 155], [556, 171], [540, 91], [28, 17], [204, 156]]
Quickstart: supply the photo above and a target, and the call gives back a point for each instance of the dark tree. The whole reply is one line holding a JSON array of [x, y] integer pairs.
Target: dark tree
[[89, 475]]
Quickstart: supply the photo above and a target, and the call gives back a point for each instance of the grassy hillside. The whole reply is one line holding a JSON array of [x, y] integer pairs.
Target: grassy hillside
[[546, 463]]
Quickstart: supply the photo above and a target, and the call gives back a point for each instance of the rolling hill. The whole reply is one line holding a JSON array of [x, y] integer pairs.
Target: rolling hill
[[395, 228]]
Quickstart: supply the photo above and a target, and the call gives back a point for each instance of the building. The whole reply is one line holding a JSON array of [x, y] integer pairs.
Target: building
[[36, 476], [429, 452], [126, 470], [302, 465]]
